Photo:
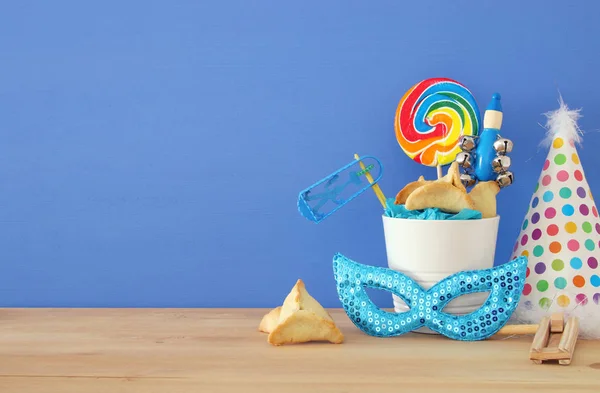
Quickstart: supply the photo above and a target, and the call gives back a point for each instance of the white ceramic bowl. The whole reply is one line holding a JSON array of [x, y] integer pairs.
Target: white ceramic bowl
[[430, 250]]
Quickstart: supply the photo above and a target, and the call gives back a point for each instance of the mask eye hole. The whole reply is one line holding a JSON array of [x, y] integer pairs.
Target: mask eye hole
[[387, 301], [466, 304], [400, 305], [392, 283]]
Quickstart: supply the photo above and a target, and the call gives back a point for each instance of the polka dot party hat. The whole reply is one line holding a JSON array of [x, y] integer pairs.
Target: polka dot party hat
[[560, 234]]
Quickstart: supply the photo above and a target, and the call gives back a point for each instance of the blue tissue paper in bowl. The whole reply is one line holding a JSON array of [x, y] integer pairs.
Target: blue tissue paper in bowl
[[400, 211]]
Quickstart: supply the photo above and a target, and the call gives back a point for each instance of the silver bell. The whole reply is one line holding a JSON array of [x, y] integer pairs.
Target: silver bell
[[503, 146], [466, 143], [467, 180], [505, 179], [464, 160], [501, 164]]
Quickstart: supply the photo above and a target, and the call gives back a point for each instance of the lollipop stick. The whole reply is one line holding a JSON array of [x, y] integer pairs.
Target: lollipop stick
[[376, 188], [439, 171]]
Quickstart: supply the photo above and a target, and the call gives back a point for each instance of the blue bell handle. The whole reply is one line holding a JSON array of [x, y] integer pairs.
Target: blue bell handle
[[485, 154], [485, 157]]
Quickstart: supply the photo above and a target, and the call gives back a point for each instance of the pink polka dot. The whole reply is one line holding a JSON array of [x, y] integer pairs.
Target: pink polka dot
[[562, 176], [536, 234], [572, 143], [527, 273], [546, 164], [527, 289], [546, 180], [516, 246], [581, 299], [550, 212], [524, 240], [578, 175], [573, 245], [594, 211]]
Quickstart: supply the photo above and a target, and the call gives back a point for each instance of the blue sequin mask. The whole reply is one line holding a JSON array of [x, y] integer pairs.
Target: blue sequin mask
[[504, 284]]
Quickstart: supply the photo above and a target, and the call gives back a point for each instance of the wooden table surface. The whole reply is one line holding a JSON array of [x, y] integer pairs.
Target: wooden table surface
[[220, 350]]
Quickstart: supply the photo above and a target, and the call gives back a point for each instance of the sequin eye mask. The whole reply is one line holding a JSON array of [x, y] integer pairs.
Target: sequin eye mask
[[504, 284]]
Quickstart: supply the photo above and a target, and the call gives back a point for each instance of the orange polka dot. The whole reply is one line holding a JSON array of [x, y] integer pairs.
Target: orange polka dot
[[570, 227], [558, 142], [578, 281], [555, 247], [575, 158], [563, 300], [525, 253]]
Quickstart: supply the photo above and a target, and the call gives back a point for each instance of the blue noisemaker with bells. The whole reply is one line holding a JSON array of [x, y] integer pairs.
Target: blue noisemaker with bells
[[484, 158]]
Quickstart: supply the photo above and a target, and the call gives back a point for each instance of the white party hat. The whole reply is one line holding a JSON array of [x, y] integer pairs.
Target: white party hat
[[560, 234]]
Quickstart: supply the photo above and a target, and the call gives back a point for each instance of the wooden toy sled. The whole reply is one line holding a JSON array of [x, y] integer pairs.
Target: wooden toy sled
[[554, 339]]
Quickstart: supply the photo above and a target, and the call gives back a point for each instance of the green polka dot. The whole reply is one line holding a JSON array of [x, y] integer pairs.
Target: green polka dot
[[560, 283], [565, 192], [536, 187], [587, 227], [526, 222], [558, 265], [542, 285], [589, 244], [560, 159], [538, 251], [545, 303]]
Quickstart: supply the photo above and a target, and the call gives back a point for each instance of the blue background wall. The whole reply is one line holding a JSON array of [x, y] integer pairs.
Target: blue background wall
[[151, 153]]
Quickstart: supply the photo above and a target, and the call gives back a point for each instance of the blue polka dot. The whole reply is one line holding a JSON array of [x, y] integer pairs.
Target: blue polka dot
[[595, 280], [535, 202], [560, 283], [548, 196], [568, 210], [576, 263]]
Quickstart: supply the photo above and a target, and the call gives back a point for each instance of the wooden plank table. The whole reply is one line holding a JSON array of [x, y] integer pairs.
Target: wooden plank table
[[220, 350]]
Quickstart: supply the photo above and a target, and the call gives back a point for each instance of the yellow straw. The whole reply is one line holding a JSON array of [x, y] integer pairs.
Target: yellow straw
[[376, 188]]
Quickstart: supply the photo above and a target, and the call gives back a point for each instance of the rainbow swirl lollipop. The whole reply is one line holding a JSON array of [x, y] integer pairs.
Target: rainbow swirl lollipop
[[432, 116]]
